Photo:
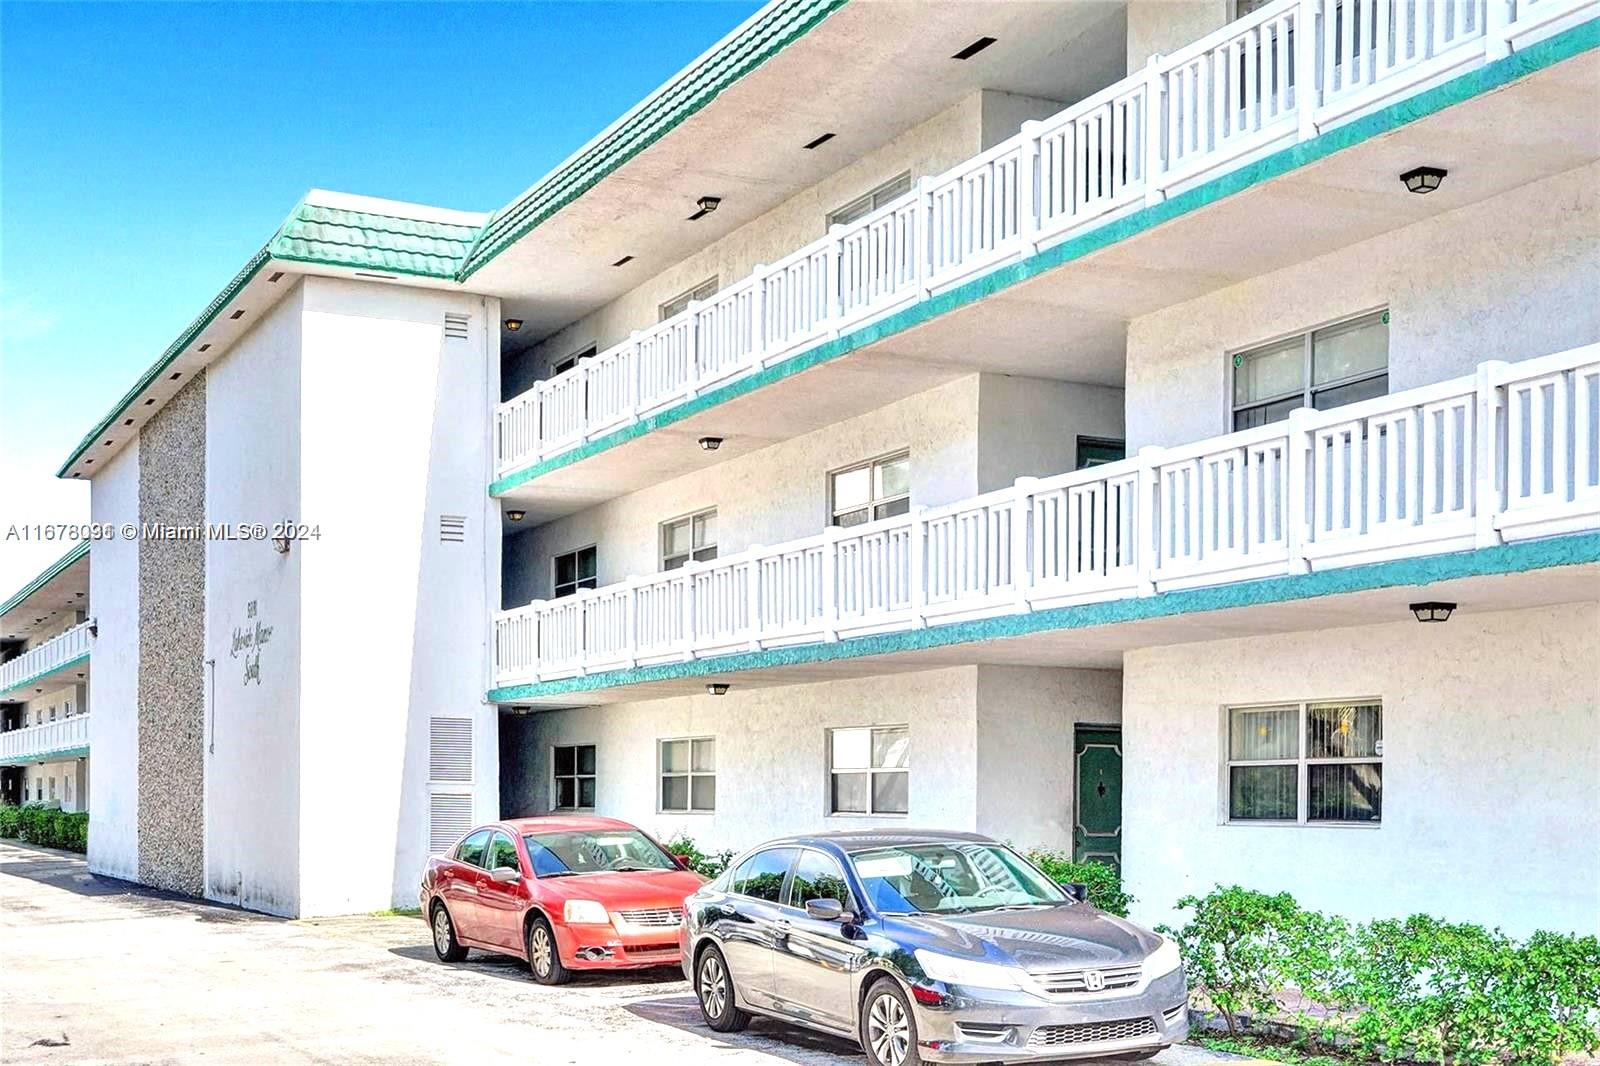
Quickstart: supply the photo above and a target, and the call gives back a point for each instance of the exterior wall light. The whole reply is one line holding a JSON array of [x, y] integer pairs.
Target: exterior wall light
[[718, 688], [706, 205], [280, 545], [1423, 180], [516, 516], [1432, 611], [513, 325], [710, 444]]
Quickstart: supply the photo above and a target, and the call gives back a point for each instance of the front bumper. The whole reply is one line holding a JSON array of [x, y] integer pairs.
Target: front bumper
[[605, 947], [989, 1025]]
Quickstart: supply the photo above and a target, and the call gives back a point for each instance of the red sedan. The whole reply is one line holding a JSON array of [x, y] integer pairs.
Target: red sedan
[[565, 893]]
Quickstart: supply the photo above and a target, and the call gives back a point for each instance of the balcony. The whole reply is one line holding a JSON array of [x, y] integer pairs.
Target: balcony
[[63, 738], [1511, 453], [1209, 109], [37, 664]]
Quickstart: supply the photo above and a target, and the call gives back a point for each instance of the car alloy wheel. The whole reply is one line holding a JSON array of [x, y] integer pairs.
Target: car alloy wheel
[[540, 950], [713, 985], [441, 931], [888, 1030]]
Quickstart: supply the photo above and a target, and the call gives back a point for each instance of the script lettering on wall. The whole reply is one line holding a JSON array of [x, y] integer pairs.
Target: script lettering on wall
[[248, 640]]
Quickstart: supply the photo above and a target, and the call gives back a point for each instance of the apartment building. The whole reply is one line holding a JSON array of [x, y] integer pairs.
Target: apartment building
[[46, 636], [1165, 432]]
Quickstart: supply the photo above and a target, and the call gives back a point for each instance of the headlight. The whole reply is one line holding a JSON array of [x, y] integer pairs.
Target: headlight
[[971, 972], [1163, 960], [585, 912]]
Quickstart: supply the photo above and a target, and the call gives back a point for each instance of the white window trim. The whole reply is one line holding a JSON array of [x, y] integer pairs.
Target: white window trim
[[689, 296], [661, 538], [870, 771], [870, 198], [574, 552], [1302, 762], [873, 502], [689, 774], [1307, 391], [575, 776]]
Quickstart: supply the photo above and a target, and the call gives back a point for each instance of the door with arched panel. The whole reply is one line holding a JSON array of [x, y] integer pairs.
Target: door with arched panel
[[1097, 810]]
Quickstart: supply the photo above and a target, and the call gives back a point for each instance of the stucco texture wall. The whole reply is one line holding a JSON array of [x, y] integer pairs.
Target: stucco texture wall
[[1510, 278], [114, 684], [172, 697], [1491, 730], [1165, 26]]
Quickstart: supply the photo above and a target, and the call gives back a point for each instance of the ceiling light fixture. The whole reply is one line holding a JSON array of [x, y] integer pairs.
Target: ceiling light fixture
[[819, 142], [1433, 611], [513, 324], [706, 204], [710, 444], [1423, 180], [516, 516], [718, 688], [974, 48]]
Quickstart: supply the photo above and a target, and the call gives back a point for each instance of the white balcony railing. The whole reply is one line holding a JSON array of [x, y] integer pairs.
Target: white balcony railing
[[48, 738], [52, 654], [1222, 101], [1510, 453]]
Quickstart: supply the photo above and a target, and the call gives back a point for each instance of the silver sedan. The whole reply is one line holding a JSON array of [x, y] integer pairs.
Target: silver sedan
[[928, 947]]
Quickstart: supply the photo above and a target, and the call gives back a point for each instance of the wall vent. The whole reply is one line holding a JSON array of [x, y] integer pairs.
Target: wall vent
[[450, 750], [455, 326], [452, 528], [449, 817]]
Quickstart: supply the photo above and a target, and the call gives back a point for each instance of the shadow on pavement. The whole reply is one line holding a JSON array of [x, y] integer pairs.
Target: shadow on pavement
[[772, 1037], [69, 872], [514, 969]]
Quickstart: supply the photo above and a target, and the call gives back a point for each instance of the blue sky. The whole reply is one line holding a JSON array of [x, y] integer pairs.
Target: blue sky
[[147, 149]]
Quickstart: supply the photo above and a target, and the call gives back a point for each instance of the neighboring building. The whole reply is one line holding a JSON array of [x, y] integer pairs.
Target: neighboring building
[[1048, 436], [46, 636]]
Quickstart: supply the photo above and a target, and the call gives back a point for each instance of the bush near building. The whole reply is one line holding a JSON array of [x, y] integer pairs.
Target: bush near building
[[46, 826], [1416, 988]]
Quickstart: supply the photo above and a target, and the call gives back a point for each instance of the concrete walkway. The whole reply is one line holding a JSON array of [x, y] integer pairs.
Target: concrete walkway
[[100, 971]]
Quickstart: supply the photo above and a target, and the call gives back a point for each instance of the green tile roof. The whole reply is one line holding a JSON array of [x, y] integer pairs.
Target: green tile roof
[[337, 237]]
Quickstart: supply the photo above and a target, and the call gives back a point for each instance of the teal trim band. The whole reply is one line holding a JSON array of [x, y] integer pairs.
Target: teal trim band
[[1562, 46], [56, 755], [34, 678], [1571, 550], [51, 572]]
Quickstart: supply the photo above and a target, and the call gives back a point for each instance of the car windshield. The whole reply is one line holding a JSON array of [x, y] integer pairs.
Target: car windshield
[[951, 878], [594, 852]]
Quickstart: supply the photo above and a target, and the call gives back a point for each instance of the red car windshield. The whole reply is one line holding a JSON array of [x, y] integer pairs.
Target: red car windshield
[[594, 852]]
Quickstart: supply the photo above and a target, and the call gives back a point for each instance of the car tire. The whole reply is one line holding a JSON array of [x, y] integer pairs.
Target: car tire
[[888, 1030], [713, 987], [544, 958], [445, 944]]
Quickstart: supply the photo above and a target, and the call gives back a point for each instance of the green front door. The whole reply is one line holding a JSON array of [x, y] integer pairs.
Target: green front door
[[1097, 822]]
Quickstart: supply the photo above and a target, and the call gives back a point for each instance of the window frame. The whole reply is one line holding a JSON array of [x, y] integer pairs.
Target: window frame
[[1233, 359], [783, 886], [688, 775], [692, 556], [516, 852], [873, 501], [870, 200], [575, 777], [455, 852], [705, 290], [872, 772], [1302, 762], [571, 362], [578, 583]]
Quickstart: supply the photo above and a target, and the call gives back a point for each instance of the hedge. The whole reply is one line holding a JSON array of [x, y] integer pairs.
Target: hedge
[[46, 826], [1414, 988]]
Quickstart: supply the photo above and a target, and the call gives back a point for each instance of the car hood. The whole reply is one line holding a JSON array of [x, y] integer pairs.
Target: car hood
[[1040, 938], [624, 889]]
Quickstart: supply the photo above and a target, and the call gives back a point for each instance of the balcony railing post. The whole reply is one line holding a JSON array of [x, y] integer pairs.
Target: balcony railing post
[[830, 583], [1307, 94], [1021, 546], [635, 374], [1488, 482], [924, 235], [755, 596], [1496, 29], [1028, 184], [536, 433], [1300, 510], [1147, 521], [691, 375], [1154, 129], [630, 619], [917, 566], [758, 329], [836, 290], [687, 644]]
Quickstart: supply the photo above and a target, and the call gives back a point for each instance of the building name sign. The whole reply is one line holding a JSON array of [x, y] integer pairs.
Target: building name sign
[[248, 641]]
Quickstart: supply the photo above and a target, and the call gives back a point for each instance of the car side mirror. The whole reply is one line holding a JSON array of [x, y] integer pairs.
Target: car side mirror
[[827, 910], [1077, 890], [505, 875]]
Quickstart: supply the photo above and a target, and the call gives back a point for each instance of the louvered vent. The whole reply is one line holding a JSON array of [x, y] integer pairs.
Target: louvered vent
[[452, 528], [450, 749], [455, 326], [449, 816]]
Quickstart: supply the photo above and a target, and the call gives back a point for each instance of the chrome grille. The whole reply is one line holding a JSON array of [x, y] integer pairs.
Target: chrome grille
[[1091, 1032], [1080, 982], [653, 917]]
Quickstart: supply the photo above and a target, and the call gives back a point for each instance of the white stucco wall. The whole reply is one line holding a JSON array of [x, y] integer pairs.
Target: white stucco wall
[[393, 619], [114, 725], [1491, 728], [1029, 427], [252, 794], [1165, 26], [1510, 278]]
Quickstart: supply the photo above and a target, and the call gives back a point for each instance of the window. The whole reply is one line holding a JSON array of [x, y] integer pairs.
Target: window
[[690, 537], [1323, 369], [473, 849], [679, 303], [575, 570], [52, 788], [571, 361], [502, 852], [1098, 451], [869, 770], [818, 876], [869, 491], [688, 774], [761, 875], [574, 777], [864, 205], [1307, 763]]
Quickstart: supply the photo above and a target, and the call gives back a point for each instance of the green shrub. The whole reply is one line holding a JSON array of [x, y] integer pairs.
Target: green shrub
[[46, 826], [10, 821], [1103, 881], [706, 864]]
